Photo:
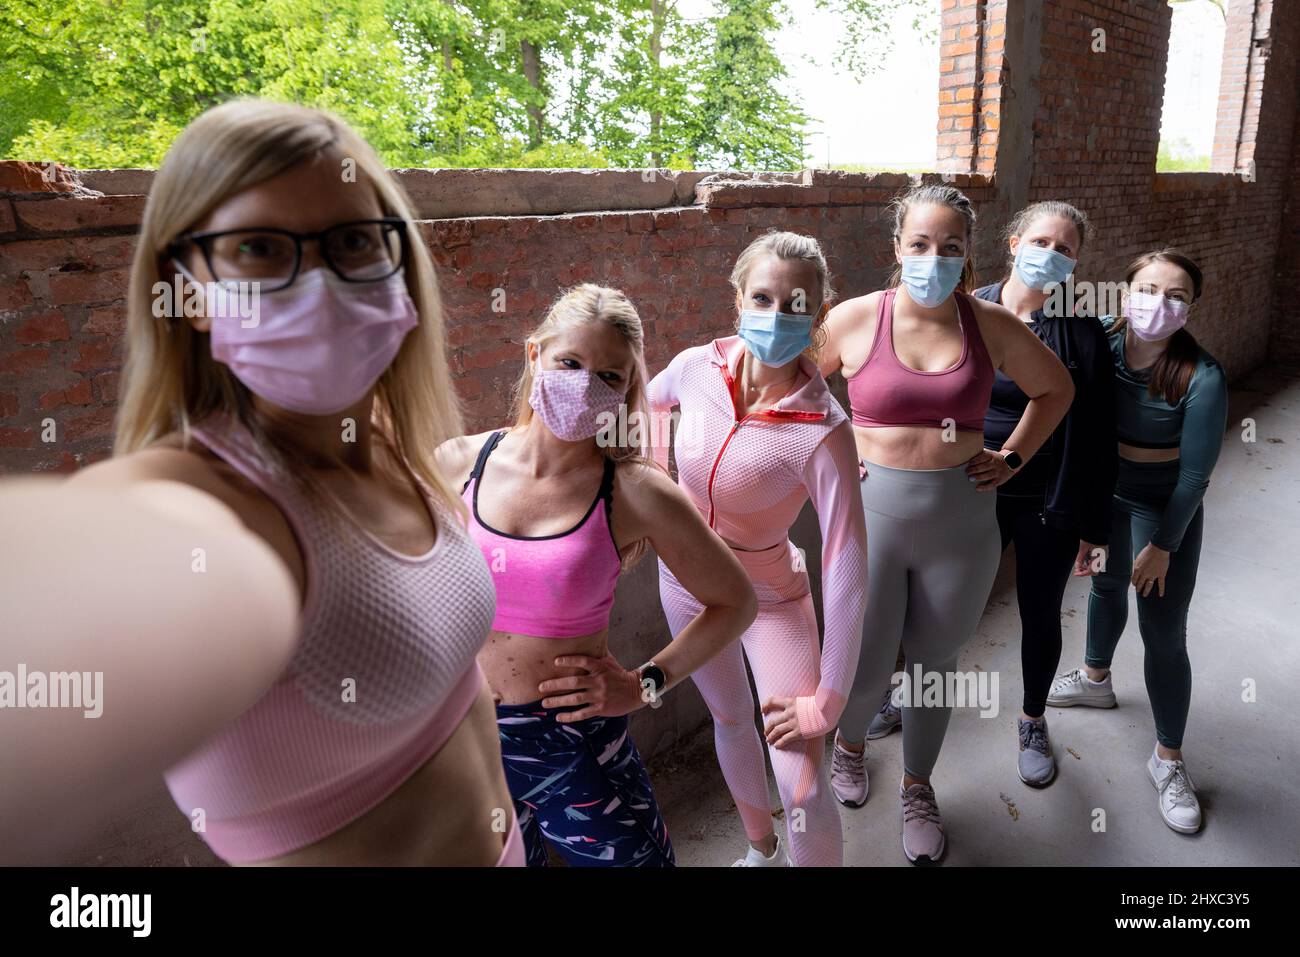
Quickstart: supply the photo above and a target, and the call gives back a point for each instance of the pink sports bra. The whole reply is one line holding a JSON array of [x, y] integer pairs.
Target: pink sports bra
[[896, 394], [551, 586], [383, 673]]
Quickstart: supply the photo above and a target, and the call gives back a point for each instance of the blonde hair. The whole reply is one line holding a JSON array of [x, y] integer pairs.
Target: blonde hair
[[788, 246], [170, 377], [584, 305]]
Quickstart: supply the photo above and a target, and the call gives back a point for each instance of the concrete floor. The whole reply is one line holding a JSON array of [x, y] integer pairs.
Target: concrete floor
[[1243, 757]]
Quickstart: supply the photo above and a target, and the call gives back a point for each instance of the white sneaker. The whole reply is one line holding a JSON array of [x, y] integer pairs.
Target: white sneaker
[[1178, 804], [849, 774], [755, 858], [1076, 688]]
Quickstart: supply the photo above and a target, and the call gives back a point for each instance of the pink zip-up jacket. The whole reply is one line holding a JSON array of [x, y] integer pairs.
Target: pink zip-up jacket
[[750, 476]]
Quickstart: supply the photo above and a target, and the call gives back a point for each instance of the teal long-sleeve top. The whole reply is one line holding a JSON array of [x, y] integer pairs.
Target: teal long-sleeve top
[[1194, 426]]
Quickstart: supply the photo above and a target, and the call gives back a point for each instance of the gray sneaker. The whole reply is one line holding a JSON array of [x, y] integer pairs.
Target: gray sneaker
[[1037, 766], [890, 716], [1076, 688], [923, 838]]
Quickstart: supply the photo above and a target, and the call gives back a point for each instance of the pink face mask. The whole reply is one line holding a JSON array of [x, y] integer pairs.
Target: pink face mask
[[575, 404], [317, 346], [1153, 317]]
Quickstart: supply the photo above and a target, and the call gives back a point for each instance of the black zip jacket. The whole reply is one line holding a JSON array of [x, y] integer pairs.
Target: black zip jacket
[[1084, 455]]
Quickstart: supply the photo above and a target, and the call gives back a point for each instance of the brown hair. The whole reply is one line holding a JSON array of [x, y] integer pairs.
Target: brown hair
[[1173, 371], [934, 194]]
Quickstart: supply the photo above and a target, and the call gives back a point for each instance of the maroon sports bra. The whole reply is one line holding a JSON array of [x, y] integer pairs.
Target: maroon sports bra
[[892, 393]]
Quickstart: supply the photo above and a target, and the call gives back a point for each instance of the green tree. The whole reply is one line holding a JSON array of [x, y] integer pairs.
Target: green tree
[[865, 29], [427, 82], [128, 75], [646, 114], [743, 121]]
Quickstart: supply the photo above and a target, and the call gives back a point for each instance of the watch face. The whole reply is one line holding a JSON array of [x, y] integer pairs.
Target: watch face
[[1013, 459], [655, 675]]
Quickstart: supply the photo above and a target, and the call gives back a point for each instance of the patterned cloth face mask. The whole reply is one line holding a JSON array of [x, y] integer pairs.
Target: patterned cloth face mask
[[575, 404]]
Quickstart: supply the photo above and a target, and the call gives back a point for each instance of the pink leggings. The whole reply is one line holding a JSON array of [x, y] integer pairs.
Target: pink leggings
[[785, 656]]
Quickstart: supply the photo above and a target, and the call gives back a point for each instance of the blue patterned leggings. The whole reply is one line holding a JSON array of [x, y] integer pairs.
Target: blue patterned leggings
[[582, 788]]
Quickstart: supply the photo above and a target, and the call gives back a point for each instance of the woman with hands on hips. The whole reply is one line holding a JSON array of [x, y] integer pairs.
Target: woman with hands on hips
[[560, 504]]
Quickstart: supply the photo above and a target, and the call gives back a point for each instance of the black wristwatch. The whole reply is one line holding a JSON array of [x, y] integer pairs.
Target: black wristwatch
[[652, 673], [1013, 459]]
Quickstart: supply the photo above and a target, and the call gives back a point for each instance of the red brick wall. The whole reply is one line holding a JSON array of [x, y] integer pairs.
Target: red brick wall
[[1239, 89], [64, 261], [1284, 336], [972, 35]]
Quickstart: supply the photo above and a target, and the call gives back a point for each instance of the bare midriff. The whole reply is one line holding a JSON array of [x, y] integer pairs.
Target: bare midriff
[[516, 664], [1135, 453], [916, 446], [442, 815]]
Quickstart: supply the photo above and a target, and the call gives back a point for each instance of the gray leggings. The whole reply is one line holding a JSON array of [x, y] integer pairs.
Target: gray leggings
[[932, 554]]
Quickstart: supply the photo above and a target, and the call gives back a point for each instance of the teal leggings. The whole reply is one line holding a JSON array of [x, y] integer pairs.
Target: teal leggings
[[1140, 497]]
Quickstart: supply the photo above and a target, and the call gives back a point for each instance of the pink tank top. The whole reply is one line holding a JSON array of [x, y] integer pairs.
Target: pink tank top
[[555, 586], [383, 673], [896, 394]]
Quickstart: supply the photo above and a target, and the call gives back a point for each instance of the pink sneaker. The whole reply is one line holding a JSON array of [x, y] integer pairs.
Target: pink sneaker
[[848, 775], [923, 840]]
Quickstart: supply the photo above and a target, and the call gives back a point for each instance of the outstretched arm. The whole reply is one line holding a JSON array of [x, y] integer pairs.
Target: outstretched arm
[[108, 583]]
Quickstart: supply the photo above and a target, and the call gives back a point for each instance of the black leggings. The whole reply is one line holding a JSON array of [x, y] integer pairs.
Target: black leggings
[[1044, 557]]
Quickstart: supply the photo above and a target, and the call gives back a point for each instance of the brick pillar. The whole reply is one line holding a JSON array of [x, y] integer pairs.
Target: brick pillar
[[971, 66], [1241, 81]]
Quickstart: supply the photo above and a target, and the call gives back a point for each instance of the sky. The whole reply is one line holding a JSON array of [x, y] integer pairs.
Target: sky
[[1192, 79], [884, 119]]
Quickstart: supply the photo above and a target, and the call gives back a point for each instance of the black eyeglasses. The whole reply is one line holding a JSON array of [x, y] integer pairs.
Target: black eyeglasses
[[366, 250]]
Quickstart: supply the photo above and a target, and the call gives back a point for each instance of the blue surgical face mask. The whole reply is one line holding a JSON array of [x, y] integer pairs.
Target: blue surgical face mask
[[931, 279], [1039, 266], [774, 338]]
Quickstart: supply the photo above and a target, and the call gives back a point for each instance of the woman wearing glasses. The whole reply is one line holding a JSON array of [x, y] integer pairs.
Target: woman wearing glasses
[[287, 422]]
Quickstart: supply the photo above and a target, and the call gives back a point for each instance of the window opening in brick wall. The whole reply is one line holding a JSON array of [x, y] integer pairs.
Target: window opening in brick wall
[[882, 120], [1191, 105]]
